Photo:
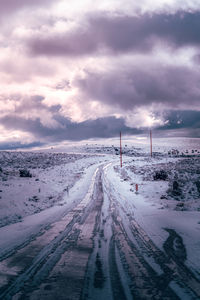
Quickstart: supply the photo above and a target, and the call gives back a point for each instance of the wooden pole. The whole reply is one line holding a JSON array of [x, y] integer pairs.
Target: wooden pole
[[151, 143], [120, 149]]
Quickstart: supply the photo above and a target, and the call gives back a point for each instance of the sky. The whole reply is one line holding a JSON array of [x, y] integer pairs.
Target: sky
[[77, 70]]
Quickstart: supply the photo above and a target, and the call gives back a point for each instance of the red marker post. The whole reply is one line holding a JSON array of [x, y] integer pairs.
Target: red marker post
[[120, 149], [136, 188], [151, 143]]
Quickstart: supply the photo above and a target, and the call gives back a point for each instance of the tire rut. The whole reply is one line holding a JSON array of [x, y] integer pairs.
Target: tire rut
[[170, 262], [44, 256]]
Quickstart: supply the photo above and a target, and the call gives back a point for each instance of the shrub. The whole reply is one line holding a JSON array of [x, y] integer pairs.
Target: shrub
[[176, 191], [198, 186], [24, 173], [160, 175]]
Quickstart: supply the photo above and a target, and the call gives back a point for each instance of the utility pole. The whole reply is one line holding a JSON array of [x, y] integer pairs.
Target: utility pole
[[120, 149], [151, 142]]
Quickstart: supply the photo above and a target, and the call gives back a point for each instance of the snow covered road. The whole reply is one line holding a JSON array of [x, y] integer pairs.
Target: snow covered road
[[91, 246]]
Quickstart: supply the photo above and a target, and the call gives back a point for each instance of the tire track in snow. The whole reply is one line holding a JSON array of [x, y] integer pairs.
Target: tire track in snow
[[174, 270], [141, 278], [45, 253], [102, 279], [101, 236], [67, 277], [116, 269]]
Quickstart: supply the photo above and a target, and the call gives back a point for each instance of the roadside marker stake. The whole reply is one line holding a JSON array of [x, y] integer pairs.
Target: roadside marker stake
[[136, 188], [151, 142], [120, 149]]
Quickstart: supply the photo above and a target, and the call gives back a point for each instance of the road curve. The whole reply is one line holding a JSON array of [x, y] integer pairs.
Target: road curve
[[96, 251]]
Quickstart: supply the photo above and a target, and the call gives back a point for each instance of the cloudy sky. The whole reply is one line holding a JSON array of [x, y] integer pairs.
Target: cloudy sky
[[75, 70]]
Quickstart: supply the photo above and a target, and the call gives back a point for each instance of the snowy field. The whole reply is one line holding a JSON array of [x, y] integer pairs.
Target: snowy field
[[48, 198], [51, 175]]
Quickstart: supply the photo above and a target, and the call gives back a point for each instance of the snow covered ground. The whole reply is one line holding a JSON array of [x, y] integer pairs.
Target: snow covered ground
[[52, 176], [47, 199], [156, 206]]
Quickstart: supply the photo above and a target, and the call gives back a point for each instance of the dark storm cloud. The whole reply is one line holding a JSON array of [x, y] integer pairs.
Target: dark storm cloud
[[99, 128], [180, 123], [133, 86], [8, 6], [122, 34], [19, 145], [182, 119]]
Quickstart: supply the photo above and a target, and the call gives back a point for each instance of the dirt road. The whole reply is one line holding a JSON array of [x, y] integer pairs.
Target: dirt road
[[97, 251]]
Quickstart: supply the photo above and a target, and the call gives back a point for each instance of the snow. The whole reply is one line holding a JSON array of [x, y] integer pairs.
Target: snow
[[62, 182], [52, 176], [14, 235], [155, 214]]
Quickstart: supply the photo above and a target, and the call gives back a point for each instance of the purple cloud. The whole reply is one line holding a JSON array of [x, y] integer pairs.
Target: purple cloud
[[133, 86], [99, 128], [119, 34]]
